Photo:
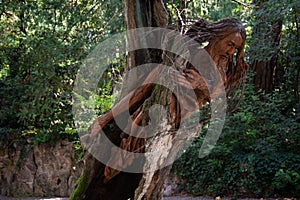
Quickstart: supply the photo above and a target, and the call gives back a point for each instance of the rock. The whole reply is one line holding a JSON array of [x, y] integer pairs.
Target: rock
[[43, 170], [173, 186], [168, 191], [23, 177], [54, 169], [10, 167]]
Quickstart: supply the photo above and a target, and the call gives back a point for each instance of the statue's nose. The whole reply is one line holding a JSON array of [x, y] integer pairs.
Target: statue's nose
[[231, 51]]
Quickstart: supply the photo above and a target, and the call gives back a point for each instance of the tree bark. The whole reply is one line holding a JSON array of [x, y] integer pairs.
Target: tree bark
[[99, 181], [265, 69], [139, 14]]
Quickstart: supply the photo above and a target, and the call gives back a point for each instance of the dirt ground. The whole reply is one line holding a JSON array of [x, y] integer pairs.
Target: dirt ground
[[30, 198], [165, 198]]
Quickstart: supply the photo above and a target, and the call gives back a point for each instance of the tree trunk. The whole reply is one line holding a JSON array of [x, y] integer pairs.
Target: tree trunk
[[264, 69], [99, 181], [165, 142], [139, 14]]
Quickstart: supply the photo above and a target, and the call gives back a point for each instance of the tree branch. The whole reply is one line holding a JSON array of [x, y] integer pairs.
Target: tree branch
[[245, 4], [296, 93]]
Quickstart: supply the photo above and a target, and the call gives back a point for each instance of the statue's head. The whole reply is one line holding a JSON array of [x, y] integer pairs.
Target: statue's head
[[224, 39]]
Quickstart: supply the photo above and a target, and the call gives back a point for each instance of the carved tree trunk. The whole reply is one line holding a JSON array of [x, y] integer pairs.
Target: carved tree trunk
[[99, 181], [139, 14]]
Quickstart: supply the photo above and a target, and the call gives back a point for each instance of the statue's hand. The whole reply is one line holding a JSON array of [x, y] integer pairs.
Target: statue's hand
[[189, 78], [195, 79]]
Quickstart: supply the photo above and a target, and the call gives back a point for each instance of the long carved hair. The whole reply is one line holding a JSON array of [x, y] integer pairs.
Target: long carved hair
[[205, 31]]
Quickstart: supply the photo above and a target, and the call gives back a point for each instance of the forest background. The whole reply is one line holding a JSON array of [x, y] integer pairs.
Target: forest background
[[43, 44]]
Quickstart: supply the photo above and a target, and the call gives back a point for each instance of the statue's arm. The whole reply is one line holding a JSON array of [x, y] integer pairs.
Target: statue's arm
[[131, 100]]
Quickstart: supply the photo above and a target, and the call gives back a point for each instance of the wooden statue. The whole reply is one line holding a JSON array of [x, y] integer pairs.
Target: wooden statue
[[225, 43]]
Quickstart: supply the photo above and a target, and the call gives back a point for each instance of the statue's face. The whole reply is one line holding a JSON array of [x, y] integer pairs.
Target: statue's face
[[221, 49], [226, 47]]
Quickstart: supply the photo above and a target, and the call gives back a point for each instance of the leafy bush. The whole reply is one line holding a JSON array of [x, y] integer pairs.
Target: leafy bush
[[258, 154], [42, 46]]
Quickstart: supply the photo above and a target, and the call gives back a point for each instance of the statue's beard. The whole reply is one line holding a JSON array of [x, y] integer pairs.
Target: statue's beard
[[221, 63]]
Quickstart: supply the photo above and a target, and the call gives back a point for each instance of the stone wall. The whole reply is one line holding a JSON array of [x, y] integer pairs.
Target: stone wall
[[41, 171]]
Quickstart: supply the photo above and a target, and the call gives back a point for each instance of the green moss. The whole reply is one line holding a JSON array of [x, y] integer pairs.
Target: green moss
[[81, 186]]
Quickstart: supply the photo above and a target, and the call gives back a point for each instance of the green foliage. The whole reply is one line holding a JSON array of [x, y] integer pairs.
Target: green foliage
[[258, 152], [43, 43], [212, 10], [42, 46], [265, 18], [257, 155]]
